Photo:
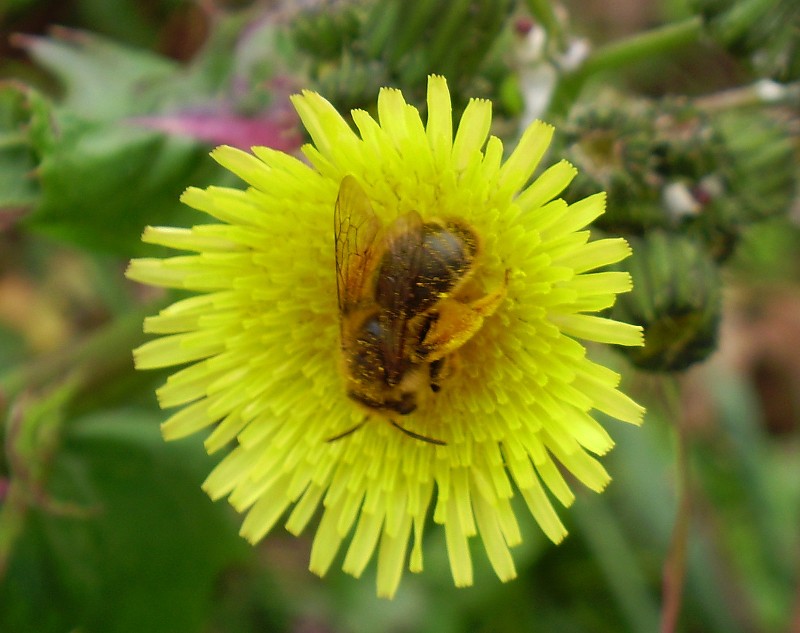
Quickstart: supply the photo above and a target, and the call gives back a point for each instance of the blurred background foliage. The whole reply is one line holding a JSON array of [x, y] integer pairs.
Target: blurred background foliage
[[686, 111]]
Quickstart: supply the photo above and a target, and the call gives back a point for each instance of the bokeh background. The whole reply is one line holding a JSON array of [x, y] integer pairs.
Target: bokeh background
[[108, 111]]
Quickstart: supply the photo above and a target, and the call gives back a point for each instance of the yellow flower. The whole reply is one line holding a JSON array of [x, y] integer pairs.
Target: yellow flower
[[262, 341]]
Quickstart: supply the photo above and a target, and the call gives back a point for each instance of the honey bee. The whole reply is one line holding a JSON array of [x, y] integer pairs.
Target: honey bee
[[407, 302]]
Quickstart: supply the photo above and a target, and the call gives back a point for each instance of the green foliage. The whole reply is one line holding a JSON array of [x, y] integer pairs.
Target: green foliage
[[102, 183], [354, 48], [763, 31], [91, 173], [143, 548], [684, 186], [90, 177], [104, 527], [18, 189], [99, 79]]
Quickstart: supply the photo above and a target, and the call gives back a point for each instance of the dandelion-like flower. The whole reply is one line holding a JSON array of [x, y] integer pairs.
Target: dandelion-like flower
[[501, 400]]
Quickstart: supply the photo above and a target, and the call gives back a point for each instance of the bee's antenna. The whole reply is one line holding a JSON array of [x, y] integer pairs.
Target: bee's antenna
[[348, 431], [417, 436]]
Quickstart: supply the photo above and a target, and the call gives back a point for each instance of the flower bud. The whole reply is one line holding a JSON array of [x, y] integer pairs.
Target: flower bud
[[670, 165], [676, 299], [611, 145], [762, 173], [326, 28], [351, 82]]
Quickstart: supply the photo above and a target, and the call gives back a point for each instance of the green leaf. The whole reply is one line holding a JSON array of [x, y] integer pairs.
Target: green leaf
[[19, 190], [103, 182], [145, 553], [102, 175], [94, 183], [102, 80]]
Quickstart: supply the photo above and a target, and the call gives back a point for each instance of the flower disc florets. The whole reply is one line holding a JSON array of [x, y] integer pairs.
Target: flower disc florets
[[262, 340]]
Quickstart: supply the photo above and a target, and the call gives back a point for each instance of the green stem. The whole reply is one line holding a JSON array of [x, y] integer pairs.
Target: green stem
[[795, 623], [622, 53], [750, 96], [607, 542], [12, 522], [101, 354], [674, 573], [643, 45], [741, 17]]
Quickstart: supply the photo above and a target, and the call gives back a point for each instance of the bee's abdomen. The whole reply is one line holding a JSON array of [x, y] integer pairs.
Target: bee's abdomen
[[367, 362], [418, 271]]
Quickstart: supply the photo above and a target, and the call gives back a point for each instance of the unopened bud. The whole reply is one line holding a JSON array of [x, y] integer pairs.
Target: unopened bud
[[676, 299]]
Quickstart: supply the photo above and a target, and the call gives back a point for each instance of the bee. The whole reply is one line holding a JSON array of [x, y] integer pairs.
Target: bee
[[407, 302]]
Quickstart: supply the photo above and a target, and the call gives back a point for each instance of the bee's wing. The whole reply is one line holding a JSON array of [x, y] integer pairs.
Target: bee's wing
[[355, 227], [395, 288]]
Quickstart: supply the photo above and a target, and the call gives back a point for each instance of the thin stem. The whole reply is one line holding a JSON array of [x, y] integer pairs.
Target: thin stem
[[674, 572], [794, 625], [622, 53], [12, 521], [627, 583], [760, 93], [643, 45]]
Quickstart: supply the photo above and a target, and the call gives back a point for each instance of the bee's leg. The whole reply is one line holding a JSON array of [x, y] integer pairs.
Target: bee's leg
[[454, 323], [417, 436], [348, 431], [436, 369], [441, 369]]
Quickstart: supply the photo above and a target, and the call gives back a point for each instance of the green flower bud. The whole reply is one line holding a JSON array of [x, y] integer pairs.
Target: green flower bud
[[669, 165], [762, 173], [676, 298], [658, 162], [612, 148], [351, 82], [325, 29]]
